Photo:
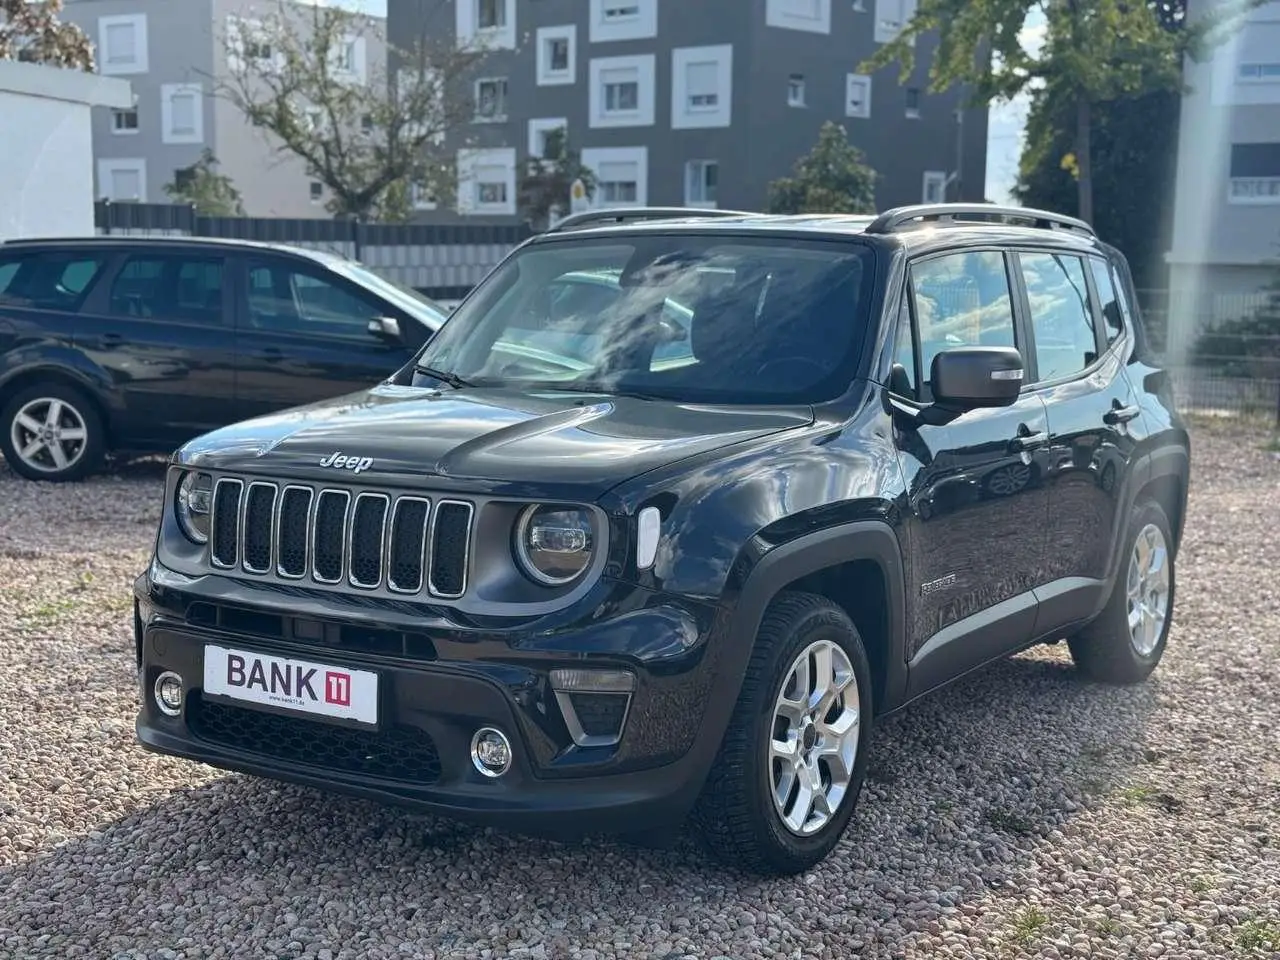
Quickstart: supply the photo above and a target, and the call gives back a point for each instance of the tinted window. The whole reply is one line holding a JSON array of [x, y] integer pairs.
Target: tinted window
[[1061, 321], [286, 299], [721, 319], [47, 281], [8, 270], [961, 300], [1112, 322], [905, 351], [169, 288]]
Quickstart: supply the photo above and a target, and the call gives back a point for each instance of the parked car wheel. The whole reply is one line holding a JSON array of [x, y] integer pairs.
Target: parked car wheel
[[794, 757], [1126, 641], [52, 431]]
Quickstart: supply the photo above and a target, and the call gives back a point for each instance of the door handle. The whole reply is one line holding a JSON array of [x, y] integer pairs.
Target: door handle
[[1120, 414], [270, 354], [109, 341], [1026, 440]]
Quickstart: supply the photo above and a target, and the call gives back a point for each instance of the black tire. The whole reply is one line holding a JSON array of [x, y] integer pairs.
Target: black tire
[[1103, 650], [90, 456], [735, 815]]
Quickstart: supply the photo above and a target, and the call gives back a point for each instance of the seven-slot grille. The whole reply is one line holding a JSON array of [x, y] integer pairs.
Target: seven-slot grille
[[328, 535]]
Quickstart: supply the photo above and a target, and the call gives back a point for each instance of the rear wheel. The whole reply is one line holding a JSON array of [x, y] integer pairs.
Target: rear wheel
[[51, 431], [794, 758]]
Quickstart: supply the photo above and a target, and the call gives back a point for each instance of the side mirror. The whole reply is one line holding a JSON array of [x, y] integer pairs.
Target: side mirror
[[386, 328], [972, 377]]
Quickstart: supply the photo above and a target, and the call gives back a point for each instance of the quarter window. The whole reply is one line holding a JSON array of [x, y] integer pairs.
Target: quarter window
[[283, 300], [185, 289], [1061, 321], [961, 300], [1112, 314], [55, 282]]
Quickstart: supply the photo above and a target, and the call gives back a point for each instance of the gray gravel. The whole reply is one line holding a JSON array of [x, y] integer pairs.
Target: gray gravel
[[1020, 813]]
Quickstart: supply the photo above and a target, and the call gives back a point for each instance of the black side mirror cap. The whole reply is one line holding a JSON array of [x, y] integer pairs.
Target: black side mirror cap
[[973, 377]]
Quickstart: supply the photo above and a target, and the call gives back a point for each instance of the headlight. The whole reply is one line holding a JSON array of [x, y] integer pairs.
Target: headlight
[[194, 503], [554, 544]]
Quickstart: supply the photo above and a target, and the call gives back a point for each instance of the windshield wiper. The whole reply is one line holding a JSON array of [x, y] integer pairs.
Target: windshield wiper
[[452, 379]]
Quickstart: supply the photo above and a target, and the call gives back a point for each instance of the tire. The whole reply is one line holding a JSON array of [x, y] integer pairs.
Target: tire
[[78, 413], [736, 815], [1108, 650]]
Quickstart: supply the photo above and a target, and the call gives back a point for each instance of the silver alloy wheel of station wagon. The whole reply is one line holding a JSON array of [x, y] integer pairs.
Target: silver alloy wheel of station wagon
[[814, 738], [1148, 589], [49, 434]]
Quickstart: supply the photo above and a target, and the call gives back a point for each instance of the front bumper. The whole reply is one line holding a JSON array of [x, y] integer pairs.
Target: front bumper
[[438, 684]]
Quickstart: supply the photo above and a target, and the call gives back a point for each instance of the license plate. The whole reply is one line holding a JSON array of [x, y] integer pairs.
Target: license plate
[[299, 686]]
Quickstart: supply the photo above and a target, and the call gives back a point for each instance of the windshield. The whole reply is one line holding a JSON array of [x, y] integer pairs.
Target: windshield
[[720, 319], [411, 301]]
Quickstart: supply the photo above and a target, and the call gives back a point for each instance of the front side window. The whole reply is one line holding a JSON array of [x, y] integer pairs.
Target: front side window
[[173, 288], [961, 300], [284, 299], [1061, 321], [713, 319]]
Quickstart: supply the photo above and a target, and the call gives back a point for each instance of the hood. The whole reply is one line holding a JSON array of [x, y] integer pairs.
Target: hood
[[484, 440]]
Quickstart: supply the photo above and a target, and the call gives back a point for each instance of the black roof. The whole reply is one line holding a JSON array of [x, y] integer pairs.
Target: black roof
[[162, 240]]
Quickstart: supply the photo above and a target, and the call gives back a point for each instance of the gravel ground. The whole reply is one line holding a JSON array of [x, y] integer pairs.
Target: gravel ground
[[1020, 813]]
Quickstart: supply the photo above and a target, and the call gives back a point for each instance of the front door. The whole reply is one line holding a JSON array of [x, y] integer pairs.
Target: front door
[[302, 336], [976, 506]]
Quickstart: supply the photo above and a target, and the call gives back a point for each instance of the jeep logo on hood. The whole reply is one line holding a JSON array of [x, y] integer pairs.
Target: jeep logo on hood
[[343, 462]]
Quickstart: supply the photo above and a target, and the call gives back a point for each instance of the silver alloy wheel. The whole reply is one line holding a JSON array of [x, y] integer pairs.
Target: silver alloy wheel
[[49, 434], [814, 738], [1148, 589]]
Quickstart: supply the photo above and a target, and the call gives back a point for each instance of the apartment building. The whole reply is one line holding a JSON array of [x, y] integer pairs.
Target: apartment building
[[673, 102], [1226, 208], [174, 54]]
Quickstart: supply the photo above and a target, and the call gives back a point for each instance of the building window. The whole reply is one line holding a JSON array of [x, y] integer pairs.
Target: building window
[[487, 23], [623, 20], [621, 175], [492, 188], [1255, 173], [891, 17], [557, 59], [491, 100], [539, 130], [422, 198], [1259, 72], [182, 113], [124, 121], [857, 96], [621, 92], [913, 103], [491, 14], [317, 191], [487, 181], [248, 41], [123, 181], [348, 58], [934, 189], [700, 178], [702, 86], [795, 90], [811, 16], [122, 44]]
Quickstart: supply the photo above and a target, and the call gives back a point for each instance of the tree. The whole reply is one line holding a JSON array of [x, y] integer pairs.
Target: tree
[[1094, 52], [830, 178], [291, 76], [211, 193], [32, 31], [547, 180]]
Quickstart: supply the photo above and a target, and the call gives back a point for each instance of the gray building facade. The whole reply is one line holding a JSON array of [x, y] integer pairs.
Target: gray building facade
[[676, 102]]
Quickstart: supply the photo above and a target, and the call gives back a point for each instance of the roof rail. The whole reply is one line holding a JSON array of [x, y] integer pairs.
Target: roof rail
[[892, 220], [623, 214]]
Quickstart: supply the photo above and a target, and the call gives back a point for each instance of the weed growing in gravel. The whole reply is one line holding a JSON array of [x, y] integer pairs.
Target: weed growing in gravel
[[50, 610], [1258, 935], [1008, 821], [1027, 924], [1201, 885], [1136, 794], [1107, 927]]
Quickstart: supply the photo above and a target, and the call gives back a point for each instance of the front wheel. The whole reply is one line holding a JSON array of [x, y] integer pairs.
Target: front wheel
[[794, 757]]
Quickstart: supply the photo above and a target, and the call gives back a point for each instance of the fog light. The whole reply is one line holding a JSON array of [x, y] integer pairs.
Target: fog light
[[491, 752], [168, 693]]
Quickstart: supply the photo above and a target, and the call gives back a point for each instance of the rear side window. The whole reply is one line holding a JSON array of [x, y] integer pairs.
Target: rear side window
[[169, 288], [56, 281], [1112, 313], [1061, 320]]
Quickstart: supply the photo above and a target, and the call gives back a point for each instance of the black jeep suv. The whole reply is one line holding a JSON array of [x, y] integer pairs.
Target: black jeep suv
[[594, 570]]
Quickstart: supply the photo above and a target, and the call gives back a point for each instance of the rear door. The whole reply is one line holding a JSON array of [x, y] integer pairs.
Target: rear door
[[160, 326], [302, 335]]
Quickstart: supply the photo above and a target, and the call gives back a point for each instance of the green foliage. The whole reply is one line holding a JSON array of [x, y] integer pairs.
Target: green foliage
[[31, 30], [830, 178], [547, 180], [212, 194], [1247, 347]]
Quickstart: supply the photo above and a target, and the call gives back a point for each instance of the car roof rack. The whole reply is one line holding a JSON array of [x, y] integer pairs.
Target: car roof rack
[[892, 221], [623, 214]]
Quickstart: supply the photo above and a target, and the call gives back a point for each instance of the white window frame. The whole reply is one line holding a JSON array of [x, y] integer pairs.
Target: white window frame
[[119, 131], [553, 78], [810, 16], [692, 169], [314, 195], [469, 160], [891, 17], [853, 81], [140, 61], [419, 199], [933, 178], [539, 128], [791, 81], [642, 25], [645, 67], [106, 168], [684, 115], [594, 157], [506, 93], [168, 92], [1261, 192], [471, 36], [358, 72]]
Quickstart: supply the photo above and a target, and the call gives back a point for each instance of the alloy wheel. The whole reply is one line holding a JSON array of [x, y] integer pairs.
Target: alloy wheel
[[49, 434], [1147, 586]]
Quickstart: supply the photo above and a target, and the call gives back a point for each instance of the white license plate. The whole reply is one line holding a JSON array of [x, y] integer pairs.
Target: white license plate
[[296, 685]]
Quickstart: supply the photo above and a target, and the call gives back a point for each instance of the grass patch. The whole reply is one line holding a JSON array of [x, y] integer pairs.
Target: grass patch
[[1107, 927], [49, 610], [1200, 885], [1258, 935], [1027, 925], [1008, 821], [1136, 794]]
